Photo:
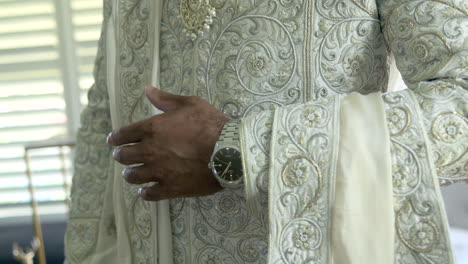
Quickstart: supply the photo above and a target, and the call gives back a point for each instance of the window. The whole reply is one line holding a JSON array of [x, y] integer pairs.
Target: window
[[47, 51]]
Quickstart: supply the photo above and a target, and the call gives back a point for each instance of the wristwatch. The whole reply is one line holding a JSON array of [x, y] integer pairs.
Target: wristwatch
[[226, 160]]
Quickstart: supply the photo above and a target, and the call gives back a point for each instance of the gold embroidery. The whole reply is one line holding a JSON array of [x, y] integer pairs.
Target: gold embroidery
[[298, 170], [196, 16], [449, 127], [421, 237], [399, 119]]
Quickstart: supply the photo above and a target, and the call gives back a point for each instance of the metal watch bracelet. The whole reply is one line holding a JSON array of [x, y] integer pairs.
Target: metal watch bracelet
[[230, 133]]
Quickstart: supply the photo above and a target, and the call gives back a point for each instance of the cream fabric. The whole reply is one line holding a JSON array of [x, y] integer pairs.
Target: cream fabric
[[161, 235], [161, 209], [362, 214], [122, 244], [298, 58]]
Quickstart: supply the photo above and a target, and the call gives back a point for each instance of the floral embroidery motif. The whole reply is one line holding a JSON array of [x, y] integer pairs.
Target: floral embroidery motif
[[138, 37], [422, 46], [398, 120], [354, 65], [406, 169], [303, 159], [132, 83], [420, 50], [311, 118], [295, 172], [304, 238], [429, 52], [315, 116], [419, 221], [258, 65], [308, 50], [401, 177], [449, 127], [348, 66], [226, 205], [424, 235], [210, 259], [403, 28]]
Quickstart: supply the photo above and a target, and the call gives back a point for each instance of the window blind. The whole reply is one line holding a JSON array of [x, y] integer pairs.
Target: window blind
[[87, 19], [47, 51]]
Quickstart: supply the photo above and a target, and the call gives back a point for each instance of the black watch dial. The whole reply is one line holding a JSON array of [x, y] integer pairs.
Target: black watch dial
[[227, 163]]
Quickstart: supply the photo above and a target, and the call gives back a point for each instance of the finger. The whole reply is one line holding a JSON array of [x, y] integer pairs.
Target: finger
[[142, 174], [164, 101], [128, 155], [157, 192], [132, 133]]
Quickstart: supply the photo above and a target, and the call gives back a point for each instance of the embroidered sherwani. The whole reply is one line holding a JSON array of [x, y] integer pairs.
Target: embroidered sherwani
[[306, 78]]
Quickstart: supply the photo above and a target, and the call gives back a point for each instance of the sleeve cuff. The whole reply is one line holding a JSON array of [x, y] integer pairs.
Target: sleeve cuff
[[255, 133]]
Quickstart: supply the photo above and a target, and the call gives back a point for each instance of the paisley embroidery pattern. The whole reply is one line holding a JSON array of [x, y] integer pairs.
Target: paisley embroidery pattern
[[135, 61], [421, 231], [348, 49], [92, 163], [265, 54], [256, 57], [83, 241], [448, 130], [301, 171], [134, 70], [430, 50], [412, 185]]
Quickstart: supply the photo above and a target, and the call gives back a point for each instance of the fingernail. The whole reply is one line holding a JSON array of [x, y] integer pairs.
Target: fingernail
[[108, 138], [140, 192], [115, 153], [124, 171]]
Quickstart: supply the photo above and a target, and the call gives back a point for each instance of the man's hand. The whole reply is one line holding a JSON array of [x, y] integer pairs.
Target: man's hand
[[174, 147]]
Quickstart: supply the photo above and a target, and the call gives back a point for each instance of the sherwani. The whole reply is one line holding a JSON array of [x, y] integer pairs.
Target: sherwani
[[337, 168]]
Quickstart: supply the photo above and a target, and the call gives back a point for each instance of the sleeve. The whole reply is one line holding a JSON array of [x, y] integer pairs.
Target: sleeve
[[297, 145], [428, 40]]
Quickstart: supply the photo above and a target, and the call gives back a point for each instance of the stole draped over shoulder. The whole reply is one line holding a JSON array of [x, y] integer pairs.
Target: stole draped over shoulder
[[337, 168]]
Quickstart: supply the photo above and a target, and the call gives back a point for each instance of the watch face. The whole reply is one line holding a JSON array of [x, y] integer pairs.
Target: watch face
[[227, 163]]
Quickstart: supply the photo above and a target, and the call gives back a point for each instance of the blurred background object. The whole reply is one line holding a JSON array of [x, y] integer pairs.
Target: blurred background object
[[26, 256], [61, 145], [47, 53]]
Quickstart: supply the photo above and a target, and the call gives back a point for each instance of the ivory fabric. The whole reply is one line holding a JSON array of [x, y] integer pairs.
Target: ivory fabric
[[164, 249], [161, 237], [363, 204], [284, 68]]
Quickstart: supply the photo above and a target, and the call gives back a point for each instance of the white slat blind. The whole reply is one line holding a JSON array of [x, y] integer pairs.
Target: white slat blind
[[47, 49], [87, 18]]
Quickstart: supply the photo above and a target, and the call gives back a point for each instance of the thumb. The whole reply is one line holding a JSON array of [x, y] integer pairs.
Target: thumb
[[164, 101]]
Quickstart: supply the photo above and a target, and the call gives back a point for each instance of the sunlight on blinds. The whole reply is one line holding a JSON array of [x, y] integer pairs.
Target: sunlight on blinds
[[87, 19], [32, 97]]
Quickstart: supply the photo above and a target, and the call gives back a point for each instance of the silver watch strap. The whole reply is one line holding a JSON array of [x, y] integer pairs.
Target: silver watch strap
[[230, 132]]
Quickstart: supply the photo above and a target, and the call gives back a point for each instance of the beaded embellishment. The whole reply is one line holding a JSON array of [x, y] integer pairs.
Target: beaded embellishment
[[196, 16]]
